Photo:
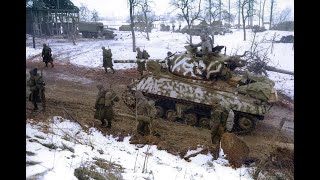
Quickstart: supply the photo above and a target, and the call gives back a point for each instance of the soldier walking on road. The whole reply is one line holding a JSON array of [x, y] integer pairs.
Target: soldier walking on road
[[146, 112], [104, 105], [46, 55], [36, 85], [107, 59]]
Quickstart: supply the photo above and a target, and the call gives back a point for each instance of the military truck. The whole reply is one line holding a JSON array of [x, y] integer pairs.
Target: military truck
[[95, 30], [181, 95], [125, 28]]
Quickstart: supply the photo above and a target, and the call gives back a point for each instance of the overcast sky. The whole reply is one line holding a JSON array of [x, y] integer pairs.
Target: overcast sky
[[119, 8]]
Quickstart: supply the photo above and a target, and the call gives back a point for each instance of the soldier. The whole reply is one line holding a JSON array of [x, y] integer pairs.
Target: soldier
[[36, 85], [107, 59], [146, 112], [205, 44], [104, 105], [141, 62], [46, 55], [222, 119]]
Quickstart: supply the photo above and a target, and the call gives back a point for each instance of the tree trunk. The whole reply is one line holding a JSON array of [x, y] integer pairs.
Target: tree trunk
[[189, 33], [270, 68], [262, 16], [132, 30], [220, 12], [147, 25], [243, 23], [271, 10], [210, 22], [229, 14], [238, 27]]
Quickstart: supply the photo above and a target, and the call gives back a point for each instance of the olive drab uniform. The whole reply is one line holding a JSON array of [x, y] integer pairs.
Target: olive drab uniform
[[104, 106], [37, 88], [146, 112], [141, 60], [46, 55], [219, 116], [107, 59]]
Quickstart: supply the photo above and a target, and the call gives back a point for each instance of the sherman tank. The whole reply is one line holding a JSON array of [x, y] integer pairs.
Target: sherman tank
[[184, 85]]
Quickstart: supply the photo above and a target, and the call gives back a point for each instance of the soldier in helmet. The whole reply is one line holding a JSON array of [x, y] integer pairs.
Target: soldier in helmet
[[37, 88], [107, 59], [141, 61], [104, 105], [206, 44], [46, 55], [146, 112], [219, 118]]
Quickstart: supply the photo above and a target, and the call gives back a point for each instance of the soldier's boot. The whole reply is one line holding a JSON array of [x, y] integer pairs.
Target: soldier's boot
[[109, 124], [35, 106], [105, 69], [52, 64], [46, 65]]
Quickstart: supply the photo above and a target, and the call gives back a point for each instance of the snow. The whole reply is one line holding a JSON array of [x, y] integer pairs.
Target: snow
[[60, 163], [88, 53]]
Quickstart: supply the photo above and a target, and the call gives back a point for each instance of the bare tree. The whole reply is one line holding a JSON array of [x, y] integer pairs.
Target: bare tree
[[283, 16], [95, 15], [84, 13], [148, 17], [189, 11], [132, 4], [271, 11], [246, 13]]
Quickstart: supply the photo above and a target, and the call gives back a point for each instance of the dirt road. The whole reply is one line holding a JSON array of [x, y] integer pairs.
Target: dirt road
[[71, 93]]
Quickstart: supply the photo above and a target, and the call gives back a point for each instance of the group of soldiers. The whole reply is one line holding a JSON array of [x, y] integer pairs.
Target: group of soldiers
[[142, 56], [36, 82], [107, 98], [222, 116]]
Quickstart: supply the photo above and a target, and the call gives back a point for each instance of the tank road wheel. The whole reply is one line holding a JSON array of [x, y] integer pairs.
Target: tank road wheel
[[204, 123], [171, 115], [190, 119], [160, 111], [246, 124]]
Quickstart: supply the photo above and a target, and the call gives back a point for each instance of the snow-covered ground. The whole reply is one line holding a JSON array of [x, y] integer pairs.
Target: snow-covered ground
[[56, 149], [88, 52]]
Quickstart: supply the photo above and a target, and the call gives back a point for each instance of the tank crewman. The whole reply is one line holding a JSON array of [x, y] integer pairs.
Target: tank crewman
[[37, 88], [141, 61], [107, 59], [104, 105], [47, 55], [146, 112], [205, 44]]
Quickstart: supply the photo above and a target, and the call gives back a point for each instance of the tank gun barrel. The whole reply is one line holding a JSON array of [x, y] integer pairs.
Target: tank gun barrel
[[135, 61]]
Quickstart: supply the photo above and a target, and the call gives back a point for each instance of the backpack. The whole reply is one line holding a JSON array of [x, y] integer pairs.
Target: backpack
[[145, 54]]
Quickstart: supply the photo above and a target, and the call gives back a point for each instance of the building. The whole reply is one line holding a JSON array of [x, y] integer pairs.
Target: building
[[51, 17]]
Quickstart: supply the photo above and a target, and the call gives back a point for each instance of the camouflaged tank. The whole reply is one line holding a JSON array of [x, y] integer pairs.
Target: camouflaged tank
[[181, 94]]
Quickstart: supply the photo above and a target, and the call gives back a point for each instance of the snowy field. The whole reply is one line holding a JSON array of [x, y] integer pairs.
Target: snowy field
[[60, 147], [88, 53]]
